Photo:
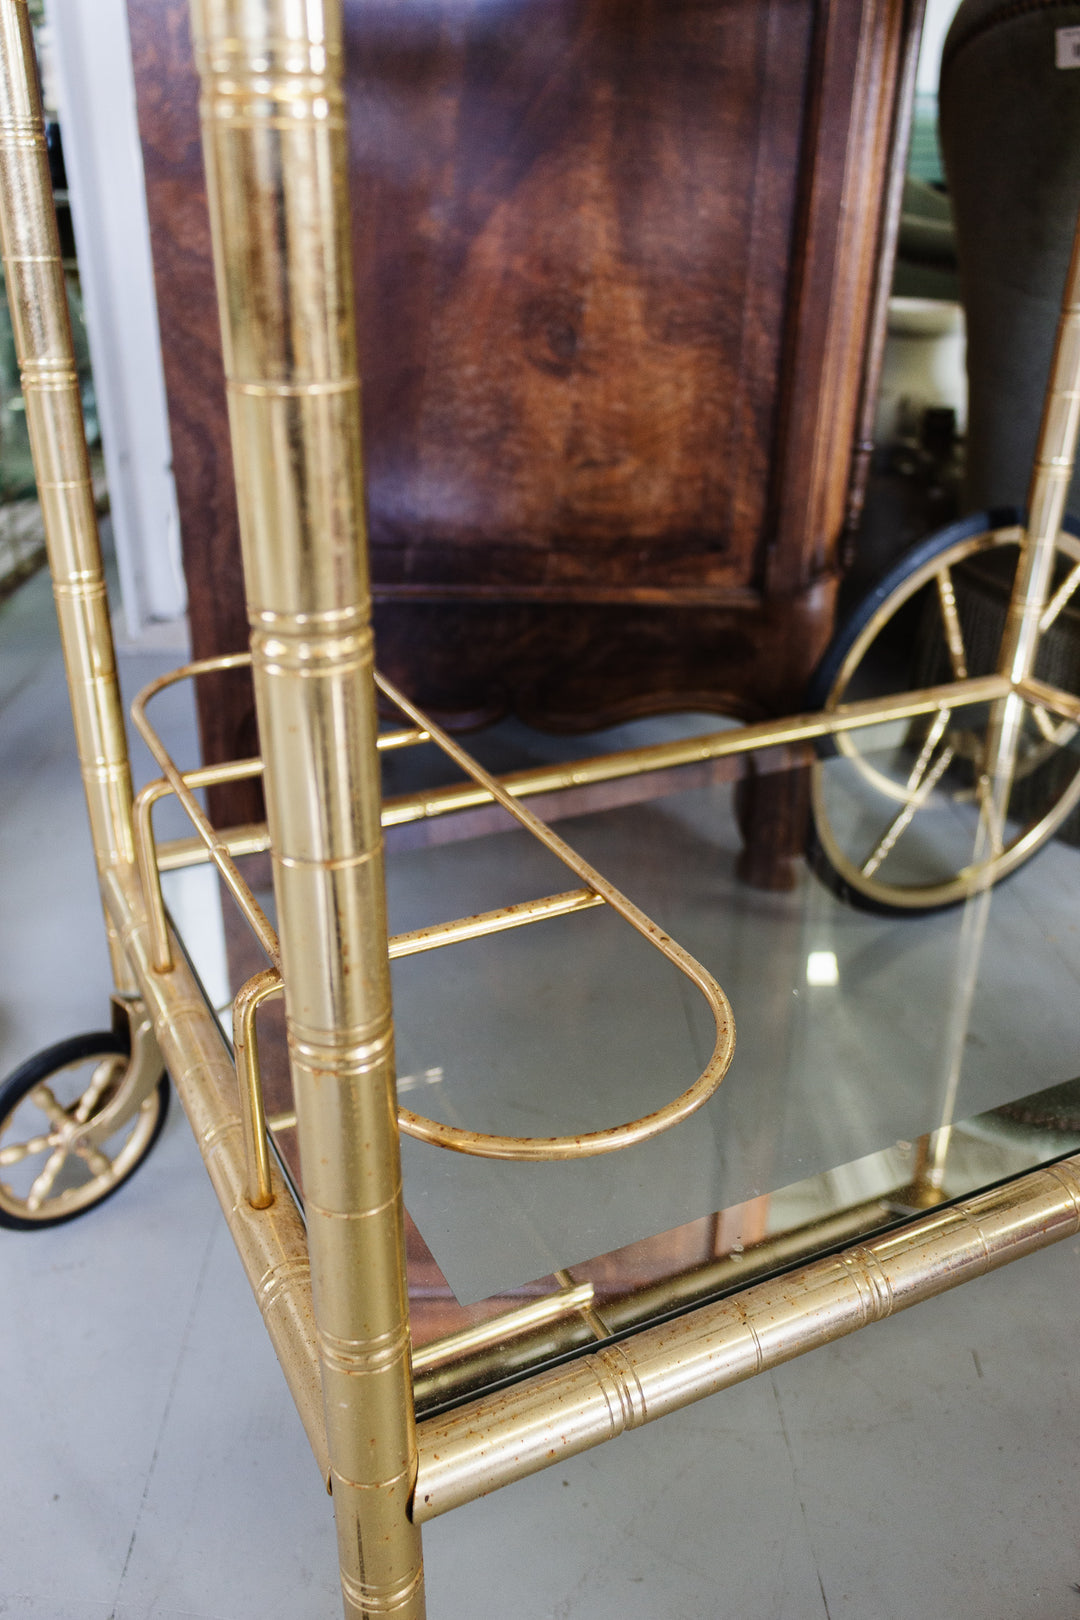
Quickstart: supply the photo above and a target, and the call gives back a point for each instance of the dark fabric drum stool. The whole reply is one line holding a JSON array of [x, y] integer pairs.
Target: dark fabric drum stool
[[1010, 139]]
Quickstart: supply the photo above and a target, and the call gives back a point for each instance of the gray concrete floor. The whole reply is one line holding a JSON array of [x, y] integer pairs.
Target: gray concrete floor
[[152, 1467]]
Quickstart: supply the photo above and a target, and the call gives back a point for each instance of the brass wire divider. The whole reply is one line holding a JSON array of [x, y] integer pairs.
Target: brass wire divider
[[596, 891], [487, 788], [332, 1286], [537, 780]]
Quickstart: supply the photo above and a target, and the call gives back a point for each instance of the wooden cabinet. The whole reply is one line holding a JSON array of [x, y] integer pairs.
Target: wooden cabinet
[[615, 268]]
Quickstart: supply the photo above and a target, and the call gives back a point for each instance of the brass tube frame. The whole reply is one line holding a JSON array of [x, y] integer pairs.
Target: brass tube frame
[[454, 1138], [1054, 457], [541, 779], [41, 324], [1055, 454], [844, 718], [268, 984], [184, 784], [273, 130], [786, 731], [218, 850], [1045, 696], [272, 1247], [254, 838], [260, 1192], [174, 854], [555, 1415], [272, 1243], [568, 1301], [484, 923], [274, 139]]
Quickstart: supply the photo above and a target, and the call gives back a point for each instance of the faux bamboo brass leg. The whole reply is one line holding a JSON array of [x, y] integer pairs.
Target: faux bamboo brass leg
[[42, 328], [50, 384], [1051, 475], [274, 142], [958, 825]]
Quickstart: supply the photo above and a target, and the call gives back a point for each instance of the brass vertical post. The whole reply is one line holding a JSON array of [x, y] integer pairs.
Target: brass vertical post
[[50, 384], [274, 143], [1050, 478], [1054, 457]]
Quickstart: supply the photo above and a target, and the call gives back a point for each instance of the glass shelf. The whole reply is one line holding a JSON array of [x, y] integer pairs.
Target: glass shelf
[[878, 1068]]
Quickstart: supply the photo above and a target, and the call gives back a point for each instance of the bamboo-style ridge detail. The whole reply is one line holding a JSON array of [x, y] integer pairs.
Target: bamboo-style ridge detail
[[41, 325], [275, 156], [598, 891], [507, 1436], [1031, 600], [274, 148], [272, 1243], [544, 1419], [1055, 456]]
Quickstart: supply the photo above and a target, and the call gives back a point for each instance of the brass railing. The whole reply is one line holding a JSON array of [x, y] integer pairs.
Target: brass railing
[[334, 1295]]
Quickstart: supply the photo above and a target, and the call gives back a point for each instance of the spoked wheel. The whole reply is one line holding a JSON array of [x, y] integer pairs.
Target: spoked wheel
[[48, 1173], [905, 814]]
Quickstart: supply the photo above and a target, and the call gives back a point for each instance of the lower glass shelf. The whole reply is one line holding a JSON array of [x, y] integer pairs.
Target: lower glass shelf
[[883, 1065]]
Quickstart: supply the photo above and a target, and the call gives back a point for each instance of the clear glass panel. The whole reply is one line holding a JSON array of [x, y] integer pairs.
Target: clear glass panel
[[859, 1035]]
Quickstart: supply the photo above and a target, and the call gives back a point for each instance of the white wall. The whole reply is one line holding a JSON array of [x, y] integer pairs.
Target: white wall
[[939, 14], [91, 59]]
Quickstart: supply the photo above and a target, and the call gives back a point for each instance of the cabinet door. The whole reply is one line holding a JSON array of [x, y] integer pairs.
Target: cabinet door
[[614, 268]]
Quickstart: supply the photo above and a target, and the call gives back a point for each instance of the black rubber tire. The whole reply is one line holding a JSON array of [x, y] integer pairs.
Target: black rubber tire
[[824, 676], [76, 1049]]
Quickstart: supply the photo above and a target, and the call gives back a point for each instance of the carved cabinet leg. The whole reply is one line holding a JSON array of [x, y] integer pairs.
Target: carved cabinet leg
[[772, 805]]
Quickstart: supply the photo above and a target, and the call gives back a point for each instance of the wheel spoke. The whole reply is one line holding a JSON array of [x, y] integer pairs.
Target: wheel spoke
[[97, 1161], [53, 1111], [953, 634], [44, 1183], [100, 1082], [989, 820], [933, 737], [861, 814], [1060, 597], [914, 782], [900, 825], [24, 1150], [1058, 736]]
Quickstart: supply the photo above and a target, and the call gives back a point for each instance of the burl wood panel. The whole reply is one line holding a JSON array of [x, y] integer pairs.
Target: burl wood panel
[[573, 228], [614, 264]]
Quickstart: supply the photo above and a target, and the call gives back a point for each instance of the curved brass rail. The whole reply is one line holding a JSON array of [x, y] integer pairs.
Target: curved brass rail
[[481, 1144], [596, 891]]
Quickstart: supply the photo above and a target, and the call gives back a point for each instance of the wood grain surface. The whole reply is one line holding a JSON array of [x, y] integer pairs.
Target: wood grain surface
[[614, 261]]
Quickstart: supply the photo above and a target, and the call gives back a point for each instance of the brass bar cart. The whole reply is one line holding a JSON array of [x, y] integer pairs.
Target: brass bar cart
[[330, 1273]]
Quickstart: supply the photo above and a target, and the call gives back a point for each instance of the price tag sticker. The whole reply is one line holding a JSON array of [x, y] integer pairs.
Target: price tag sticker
[[1067, 47]]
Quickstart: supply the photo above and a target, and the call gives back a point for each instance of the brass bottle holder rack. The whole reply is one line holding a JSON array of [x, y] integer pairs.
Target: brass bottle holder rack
[[222, 849], [331, 1286], [596, 891]]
